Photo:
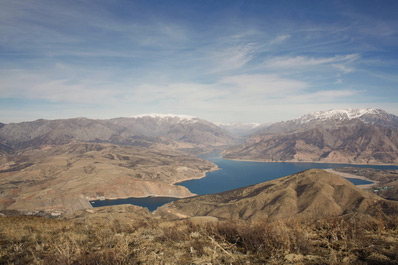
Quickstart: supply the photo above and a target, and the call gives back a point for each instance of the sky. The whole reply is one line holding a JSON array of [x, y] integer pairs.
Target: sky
[[223, 61]]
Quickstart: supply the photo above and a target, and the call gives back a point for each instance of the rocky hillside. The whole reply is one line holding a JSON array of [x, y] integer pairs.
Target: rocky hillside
[[137, 130], [367, 136], [311, 194], [65, 177]]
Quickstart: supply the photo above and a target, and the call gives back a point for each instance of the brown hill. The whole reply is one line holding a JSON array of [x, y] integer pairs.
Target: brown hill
[[65, 177], [310, 194]]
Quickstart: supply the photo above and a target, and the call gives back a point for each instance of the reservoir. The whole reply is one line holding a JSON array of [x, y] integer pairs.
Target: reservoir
[[149, 202], [234, 174]]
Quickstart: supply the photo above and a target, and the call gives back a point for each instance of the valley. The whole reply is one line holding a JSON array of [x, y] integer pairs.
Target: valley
[[297, 208], [60, 165], [218, 209], [243, 132]]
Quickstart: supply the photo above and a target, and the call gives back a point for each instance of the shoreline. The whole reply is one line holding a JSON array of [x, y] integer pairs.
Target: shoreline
[[143, 196], [314, 162], [138, 197], [200, 177], [203, 175], [352, 176], [163, 196]]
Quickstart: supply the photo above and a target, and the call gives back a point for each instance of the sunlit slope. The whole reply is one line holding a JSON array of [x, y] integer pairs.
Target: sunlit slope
[[311, 194], [64, 177]]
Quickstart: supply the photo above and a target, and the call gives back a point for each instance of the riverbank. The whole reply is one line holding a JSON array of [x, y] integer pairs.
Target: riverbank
[[348, 175], [215, 168], [313, 162]]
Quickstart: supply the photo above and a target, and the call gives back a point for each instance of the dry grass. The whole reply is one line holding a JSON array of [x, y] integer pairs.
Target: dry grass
[[34, 240], [357, 239]]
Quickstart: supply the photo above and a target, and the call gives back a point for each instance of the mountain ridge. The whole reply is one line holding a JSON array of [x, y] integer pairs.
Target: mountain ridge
[[125, 131], [340, 114], [369, 138]]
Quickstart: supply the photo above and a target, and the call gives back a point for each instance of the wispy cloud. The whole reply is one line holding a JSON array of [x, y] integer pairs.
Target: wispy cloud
[[279, 39], [231, 58], [343, 68], [305, 61], [325, 96], [263, 85], [199, 59], [47, 86]]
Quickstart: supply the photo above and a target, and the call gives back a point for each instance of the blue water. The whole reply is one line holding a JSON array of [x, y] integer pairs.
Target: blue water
[[233, 175], [237, 174], [359, 181], [149, 202]]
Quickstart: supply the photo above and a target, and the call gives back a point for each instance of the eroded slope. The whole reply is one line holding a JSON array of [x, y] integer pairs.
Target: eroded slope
[[64, 177]]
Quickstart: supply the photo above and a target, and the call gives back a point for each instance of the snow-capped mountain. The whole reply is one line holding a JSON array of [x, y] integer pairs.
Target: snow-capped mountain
[[333, 118], [167, 117], [343, 114], [239, 128], [335, 136]]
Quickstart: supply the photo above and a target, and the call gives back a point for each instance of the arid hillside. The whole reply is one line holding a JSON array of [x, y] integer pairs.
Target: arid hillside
[[65, 177], [132, 235], [311, 194]]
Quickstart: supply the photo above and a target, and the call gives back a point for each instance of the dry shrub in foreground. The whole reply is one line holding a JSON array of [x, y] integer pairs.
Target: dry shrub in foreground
[[355, 239], [263, 239], [36, 240]]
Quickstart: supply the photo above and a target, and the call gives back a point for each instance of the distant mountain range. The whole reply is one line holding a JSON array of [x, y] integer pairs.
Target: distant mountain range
[[335, 136], [138, 130], [240, 129], [331, 118]]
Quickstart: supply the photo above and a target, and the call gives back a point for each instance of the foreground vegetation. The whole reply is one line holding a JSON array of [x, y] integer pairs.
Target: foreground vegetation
[[353, 239]]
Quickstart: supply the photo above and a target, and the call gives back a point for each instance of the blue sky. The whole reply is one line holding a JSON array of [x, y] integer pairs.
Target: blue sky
[[230, 61]]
